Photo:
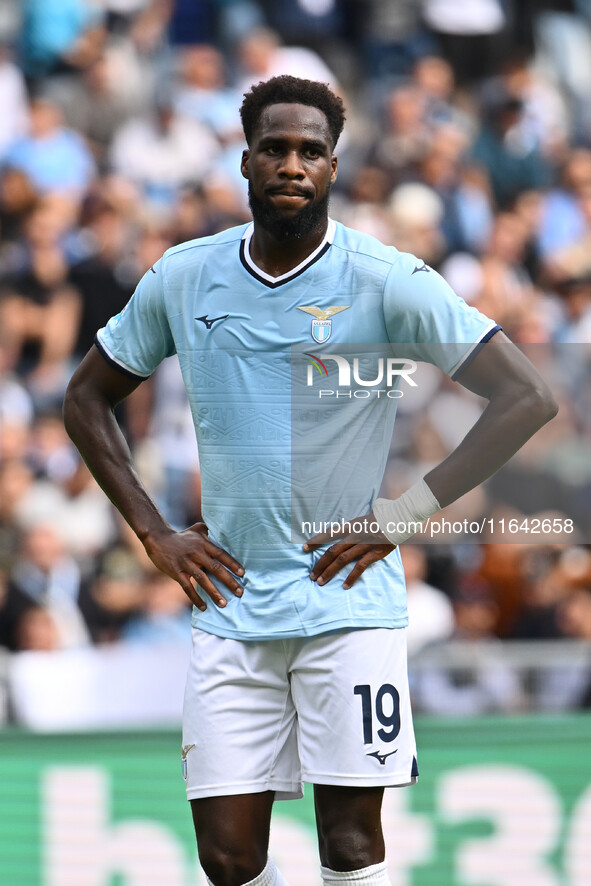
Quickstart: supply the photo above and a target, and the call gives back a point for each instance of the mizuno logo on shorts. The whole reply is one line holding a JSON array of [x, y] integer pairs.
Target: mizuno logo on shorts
[[381, 758]]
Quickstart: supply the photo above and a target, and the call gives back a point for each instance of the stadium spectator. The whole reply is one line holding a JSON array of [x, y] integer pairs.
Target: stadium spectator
[[507, 289], [96, 105], [164, 616], [404, 137], [430, 612], [552, 576], [322, 27], [300, 23], [391, 37], [15, 479], [203, 94], [471, 35], [562, 41], [16, 406], [55, 158], [37, 631], [106, 277], [45, 574], [467, 213], [417, 215], [39, 310], [262, 56], [562, 219], [186, 21], [59, 36], [575, 619], [116, 590], [14, 106], [71, 501], [481, 685], [17, 199], [158, 153], [568, 686], [434, 77], [513, 163], [544, 121]]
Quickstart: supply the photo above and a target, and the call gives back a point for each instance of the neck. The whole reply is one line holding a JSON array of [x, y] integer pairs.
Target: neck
[[278, 255]]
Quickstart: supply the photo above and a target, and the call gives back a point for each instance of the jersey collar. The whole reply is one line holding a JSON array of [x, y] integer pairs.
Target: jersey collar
[[273, 282]]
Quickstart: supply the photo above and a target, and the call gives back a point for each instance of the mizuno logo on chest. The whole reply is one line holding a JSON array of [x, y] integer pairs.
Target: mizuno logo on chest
[[208, 323]]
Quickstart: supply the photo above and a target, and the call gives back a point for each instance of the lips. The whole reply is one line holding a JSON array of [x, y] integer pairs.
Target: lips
[[289, 192]]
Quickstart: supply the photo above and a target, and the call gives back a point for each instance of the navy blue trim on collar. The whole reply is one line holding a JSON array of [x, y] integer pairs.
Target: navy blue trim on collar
[[274, 284]]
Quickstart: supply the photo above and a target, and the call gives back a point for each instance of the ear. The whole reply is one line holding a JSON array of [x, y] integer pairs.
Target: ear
[[244, 163], [334, 163]]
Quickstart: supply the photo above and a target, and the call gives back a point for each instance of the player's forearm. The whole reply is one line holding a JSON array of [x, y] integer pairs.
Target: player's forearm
[[93, 429], [519, 403], [502, 429]]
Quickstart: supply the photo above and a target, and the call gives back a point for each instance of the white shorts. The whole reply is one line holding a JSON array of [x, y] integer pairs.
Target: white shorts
[[269, 715]]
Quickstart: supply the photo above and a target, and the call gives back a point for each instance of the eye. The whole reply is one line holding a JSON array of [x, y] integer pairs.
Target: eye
[[273, 150], [312, 153]]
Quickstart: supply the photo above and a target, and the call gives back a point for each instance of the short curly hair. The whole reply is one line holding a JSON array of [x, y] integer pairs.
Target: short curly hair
[[292, 90]]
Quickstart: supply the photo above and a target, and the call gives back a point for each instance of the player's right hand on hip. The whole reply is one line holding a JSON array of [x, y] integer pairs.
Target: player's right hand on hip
[[191, 559]]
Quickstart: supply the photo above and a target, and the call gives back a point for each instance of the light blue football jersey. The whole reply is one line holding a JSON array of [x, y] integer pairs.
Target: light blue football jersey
[[235, 330]]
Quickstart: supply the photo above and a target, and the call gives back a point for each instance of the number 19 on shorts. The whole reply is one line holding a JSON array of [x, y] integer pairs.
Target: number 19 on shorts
[[383, 708]]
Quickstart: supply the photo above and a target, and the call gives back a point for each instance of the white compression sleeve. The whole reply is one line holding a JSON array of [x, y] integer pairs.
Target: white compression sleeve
[[374, 875], [401, 518]]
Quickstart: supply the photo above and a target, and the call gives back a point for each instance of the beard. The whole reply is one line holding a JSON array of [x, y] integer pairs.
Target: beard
[[311, 217]]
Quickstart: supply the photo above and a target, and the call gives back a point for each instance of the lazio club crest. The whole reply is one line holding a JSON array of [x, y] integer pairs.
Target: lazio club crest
[[322, 324]]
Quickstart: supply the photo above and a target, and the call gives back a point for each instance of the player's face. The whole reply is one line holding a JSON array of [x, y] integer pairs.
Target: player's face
[[290, 168]]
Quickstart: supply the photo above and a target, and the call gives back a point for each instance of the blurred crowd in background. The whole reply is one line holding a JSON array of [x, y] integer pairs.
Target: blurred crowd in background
[[468, 143]]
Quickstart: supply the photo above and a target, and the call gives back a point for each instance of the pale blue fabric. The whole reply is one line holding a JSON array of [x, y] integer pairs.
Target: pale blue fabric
[[238, 376], [50, 28], [60, 162]]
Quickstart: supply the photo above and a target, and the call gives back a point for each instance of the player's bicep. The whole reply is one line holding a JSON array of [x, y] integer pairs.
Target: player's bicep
[[96, 378], [499, 369]]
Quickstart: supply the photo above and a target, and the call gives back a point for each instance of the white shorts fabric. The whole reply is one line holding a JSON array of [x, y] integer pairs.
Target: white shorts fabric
[[269, 715]]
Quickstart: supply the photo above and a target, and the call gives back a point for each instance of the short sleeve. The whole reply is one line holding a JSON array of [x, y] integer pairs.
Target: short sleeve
[[138, 338], [425, 316]]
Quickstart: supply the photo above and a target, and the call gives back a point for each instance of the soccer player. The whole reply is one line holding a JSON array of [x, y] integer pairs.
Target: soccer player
[[298, 669]]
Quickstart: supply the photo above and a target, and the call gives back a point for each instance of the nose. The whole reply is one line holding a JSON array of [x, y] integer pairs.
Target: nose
[[291, 165]]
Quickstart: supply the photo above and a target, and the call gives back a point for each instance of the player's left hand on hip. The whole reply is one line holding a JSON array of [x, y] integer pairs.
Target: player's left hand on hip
[[360, 540]]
